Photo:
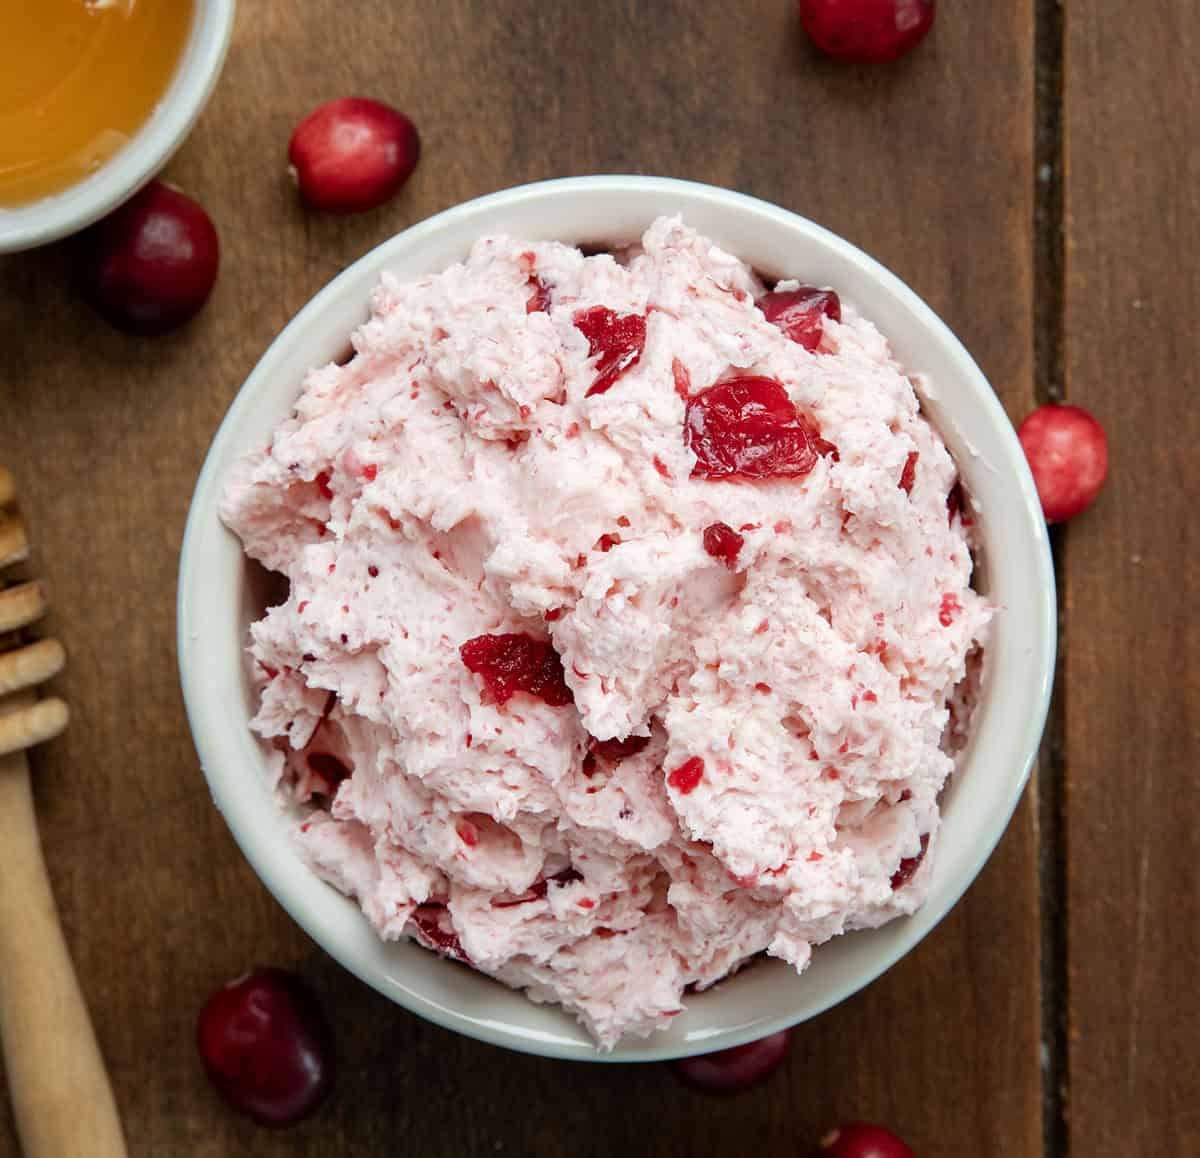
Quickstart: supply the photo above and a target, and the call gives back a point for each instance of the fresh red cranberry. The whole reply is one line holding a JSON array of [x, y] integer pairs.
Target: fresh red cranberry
[[687, 776], [267, 1047], [909, 865], [862, 1140], [722, 542], [352, 154], [150, 266], [908, 476], [1067, 451], [867, 31], [735, 1069], [516, 662], [798, 312], [618, 339], [747, 428]]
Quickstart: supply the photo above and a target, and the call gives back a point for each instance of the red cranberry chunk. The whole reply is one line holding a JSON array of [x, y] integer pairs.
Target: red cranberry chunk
[[151, 265], [539, 301], [867, 31], [862, 1140], [909, 865], [431, 925], [735, 1069], [798, 313], [722, 542], [516, 662], [267, 1047], [908, 475], [687, 776], [618, 340], [1067, 451], [615, 751], [352, 154], [746, 428]]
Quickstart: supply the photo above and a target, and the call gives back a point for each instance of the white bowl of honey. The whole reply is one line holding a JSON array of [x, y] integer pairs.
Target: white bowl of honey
[[95, 96]]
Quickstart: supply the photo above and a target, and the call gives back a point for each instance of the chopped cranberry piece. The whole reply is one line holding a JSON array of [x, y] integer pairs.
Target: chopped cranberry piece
[[266, 1046], [908, 475], [618, 339], [373, 571], [615, 751], [867, 31], [607, 542], [427, 925], [1067, 451], [862, 1140], [539, 301], [909, 865], [747, 428], [949, 609], [322, 481], [739, 1068], [553, 614], [370, 472], [722, 542], [689, 774], [798, 313], [517, 663]]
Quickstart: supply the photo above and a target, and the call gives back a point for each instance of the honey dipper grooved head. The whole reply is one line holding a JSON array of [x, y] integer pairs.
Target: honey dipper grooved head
[[24, 720]]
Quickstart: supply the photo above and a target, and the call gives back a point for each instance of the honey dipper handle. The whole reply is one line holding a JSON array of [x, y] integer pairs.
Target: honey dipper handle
[[56, 1077]]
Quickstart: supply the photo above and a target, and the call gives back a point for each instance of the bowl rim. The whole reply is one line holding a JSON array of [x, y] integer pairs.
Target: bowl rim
[[59, 214], [1040, 653]]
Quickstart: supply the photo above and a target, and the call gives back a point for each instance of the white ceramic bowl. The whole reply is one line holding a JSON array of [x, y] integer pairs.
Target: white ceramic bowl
[[131, 167], [215, 609]]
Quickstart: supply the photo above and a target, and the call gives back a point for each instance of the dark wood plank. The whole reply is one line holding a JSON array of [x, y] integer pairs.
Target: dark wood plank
[[927, 165], [1132, 678]]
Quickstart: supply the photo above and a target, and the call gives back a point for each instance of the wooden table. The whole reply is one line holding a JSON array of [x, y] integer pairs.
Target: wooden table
[[1032, 173]]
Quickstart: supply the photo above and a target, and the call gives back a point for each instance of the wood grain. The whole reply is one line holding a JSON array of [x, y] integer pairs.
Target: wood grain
[[1132, 676], [926, 164]]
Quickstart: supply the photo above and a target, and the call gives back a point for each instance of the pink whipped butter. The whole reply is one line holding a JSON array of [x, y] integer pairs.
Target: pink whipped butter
[[628, 626]]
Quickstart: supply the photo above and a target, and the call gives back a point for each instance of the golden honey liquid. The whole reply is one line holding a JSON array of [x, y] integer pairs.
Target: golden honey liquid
[[77, 80]]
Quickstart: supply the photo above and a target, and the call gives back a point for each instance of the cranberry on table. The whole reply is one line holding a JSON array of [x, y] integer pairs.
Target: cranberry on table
[[1067, 451], [862, 1140], [867, 31], [735, 1069], [150, 266], [352, 154], [267, 1047]]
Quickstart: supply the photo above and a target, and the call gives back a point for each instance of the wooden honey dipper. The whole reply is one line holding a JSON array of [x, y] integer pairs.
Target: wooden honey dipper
[[60, 1091]]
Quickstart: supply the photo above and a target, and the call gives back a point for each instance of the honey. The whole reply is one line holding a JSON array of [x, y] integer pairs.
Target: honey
[[77, 79]]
